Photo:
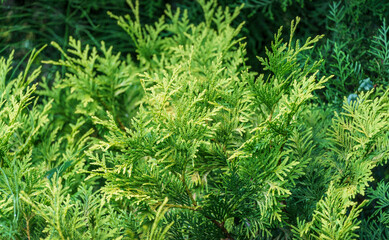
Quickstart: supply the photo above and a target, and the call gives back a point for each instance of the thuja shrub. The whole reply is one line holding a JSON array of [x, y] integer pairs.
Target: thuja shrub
[[186, 141]]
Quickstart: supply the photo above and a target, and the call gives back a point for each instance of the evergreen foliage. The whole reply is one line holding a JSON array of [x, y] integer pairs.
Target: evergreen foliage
[[183, 139]]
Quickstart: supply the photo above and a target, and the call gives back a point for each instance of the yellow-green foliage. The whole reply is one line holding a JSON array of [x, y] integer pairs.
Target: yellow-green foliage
[[186, 141]]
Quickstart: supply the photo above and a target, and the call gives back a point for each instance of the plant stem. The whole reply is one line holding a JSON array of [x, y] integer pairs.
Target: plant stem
[[182, 207], [121, 125], [187, 189], [220, 225], [27, 225]]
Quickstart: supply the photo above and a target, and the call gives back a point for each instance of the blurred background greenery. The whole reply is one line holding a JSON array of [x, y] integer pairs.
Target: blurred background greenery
[[26, 24], [349, 27]]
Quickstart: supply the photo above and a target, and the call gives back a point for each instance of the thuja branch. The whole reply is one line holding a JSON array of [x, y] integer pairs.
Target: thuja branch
[[122, 127]]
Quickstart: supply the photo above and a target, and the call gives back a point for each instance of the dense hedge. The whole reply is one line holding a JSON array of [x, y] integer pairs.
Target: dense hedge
[[194, 120]]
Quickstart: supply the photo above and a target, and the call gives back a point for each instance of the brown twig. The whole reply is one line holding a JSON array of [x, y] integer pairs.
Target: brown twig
[[187, 189], [107, 108], [220, 225], [28, 225], [121, 125]]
